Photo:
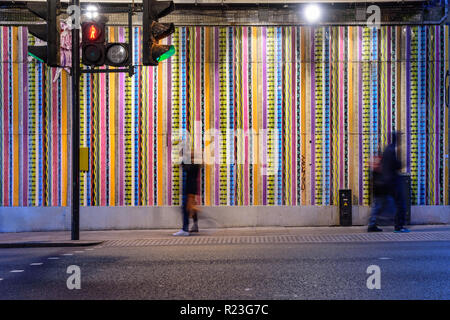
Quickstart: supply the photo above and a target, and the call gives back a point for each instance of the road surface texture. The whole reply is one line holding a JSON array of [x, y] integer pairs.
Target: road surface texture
[[265, 266]]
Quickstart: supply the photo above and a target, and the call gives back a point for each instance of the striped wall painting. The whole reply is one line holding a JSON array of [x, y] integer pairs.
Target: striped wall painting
[[309, 107]]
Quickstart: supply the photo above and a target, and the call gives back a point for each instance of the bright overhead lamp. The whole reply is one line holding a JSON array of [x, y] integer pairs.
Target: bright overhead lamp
[[312, 12], [91, 12]]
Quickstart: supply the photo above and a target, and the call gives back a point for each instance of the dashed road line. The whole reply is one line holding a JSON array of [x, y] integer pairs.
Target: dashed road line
[[53, 258], [78, 251], [36, 264], [17, 271], [67, 254]]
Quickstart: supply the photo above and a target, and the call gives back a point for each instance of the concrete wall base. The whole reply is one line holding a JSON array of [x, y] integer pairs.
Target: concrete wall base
[[25, 219]]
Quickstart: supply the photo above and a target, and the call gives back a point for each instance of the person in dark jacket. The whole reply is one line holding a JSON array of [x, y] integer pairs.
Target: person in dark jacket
[[390, 167], [191, 172]]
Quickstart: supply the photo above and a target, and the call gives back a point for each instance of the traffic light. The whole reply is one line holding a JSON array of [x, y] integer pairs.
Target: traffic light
[[95, 50], [153, 31], [49, 32]]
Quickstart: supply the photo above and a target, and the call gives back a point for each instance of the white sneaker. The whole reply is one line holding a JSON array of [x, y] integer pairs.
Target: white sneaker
[[181, 233]]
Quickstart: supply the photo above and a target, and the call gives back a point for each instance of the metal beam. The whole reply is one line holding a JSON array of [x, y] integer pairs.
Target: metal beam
[[261, 2]]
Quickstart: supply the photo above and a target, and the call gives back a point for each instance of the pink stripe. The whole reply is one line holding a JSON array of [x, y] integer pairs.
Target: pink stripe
[[54, 143], [5, 119], [245, 97], [264, 137], [341, 107], [169, 129], [197, 87], [294, 117], [150, 136], [103, 139]]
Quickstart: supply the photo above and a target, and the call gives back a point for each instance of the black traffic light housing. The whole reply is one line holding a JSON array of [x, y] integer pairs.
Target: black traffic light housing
[[50, 32], [153, 31]]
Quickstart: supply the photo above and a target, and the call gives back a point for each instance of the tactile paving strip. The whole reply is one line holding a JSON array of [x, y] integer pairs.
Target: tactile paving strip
[[226, 240]]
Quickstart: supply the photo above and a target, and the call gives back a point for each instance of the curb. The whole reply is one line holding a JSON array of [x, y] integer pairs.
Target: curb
[[46, 244]]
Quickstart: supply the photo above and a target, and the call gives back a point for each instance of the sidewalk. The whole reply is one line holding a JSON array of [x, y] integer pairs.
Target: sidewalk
[[87, 238]]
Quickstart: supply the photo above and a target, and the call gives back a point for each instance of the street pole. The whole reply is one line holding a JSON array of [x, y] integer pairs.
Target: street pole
[[76, 129]]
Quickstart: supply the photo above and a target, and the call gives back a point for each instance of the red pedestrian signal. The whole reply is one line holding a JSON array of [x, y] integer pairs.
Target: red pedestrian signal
[[93, 32]]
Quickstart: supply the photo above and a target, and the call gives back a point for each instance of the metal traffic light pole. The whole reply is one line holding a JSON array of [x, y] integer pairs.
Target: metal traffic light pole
[[75, 130]]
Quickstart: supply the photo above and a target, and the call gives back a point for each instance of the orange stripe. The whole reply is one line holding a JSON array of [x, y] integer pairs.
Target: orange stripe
[[64, 154], [15, 117], [208, 169]]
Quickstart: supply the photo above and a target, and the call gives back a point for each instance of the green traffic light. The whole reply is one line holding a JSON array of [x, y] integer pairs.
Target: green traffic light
[[166, 54], [36, 57]]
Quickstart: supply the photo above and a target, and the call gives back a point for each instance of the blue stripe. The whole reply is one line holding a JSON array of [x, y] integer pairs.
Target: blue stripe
[[231, 82]]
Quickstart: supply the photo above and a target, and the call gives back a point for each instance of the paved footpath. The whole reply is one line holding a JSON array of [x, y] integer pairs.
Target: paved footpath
[[135, 238]]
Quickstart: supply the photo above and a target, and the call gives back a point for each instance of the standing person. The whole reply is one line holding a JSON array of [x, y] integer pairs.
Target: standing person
[[390, 167], [190, 189], [379, 195]]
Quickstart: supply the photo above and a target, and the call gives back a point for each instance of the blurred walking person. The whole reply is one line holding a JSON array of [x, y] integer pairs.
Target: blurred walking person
[[379, 198], [191, 172], [390, 168]]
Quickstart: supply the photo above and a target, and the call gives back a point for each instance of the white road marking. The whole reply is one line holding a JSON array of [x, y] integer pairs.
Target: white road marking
[[78, 251], [17, 271], [385, 258], [90, 249], [36, 264], [1, 279], [67, 254], [53, 258]]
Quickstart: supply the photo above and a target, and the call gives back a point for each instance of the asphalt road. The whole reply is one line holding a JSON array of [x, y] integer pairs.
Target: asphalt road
[[409, 270]]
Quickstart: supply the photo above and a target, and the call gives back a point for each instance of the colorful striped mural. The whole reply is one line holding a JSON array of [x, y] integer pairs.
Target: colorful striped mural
[[282, 116]]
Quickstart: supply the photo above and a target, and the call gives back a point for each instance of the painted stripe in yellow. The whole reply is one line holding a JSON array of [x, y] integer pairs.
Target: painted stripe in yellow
[[112, 130]]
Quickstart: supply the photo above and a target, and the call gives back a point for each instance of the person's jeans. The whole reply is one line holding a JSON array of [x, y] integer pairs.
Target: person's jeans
[[395, 193], [377, 207]]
